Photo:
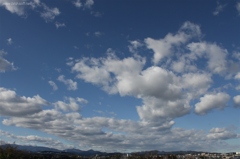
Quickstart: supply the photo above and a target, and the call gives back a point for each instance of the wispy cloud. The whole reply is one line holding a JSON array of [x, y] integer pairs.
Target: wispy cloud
[[219, 8], [59, 25], [53, 84], [9, 41], [71, 85], [49, 14], [98, 33], [238, 7]]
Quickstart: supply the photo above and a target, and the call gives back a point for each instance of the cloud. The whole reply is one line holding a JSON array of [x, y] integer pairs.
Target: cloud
[[20, 8], [35, 140], [70, 104], [236, 100], [59, 25], [96, 14], [238, 7], [9, 41], [216, 55], [134, 45], [77, 3], [98, 33], [165, 95], [55, 87], [70, 83], [14, 7], [165, 47], [13, 105], [211, 101], [89, 3], [5, 65], [49, 14], [221, 134], [219, 9], [114, 134]]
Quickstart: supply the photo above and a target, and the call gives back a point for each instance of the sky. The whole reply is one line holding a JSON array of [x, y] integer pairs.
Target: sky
[[120, 75]]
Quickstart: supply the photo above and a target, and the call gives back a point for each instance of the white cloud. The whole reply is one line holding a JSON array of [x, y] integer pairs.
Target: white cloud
[[196, 84], [69, 104], [221, 134], [236, 100], [135, 44], [53, 84], [59, 25], [77, 3], [89, 3], [21, 8], [5, 65], [160, 89], [238, 7], [13, 105], [237, 76], [216, 55], [159, 111], [219, 8], [35, 140], [49, 14], [165, 47], [70, 83], [14, 6], [9, 41], [114, 134], [211, 101]]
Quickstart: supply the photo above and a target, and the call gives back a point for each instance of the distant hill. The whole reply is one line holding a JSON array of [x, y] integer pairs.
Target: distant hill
[[32, 148], [91, 152], [47, 149]]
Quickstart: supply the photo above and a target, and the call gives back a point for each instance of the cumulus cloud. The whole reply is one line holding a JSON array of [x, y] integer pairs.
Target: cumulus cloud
[[216, 55], [77, 3], [165, 95], [5, 65], [221, 134], [211, 101], [165, 47], [13, 105], [89, 3], [70, 104], [113, 134], [53, 84], [71, 85], [236, 100]]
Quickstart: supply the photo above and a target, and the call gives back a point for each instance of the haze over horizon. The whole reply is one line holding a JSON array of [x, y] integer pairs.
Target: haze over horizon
[[122, 75]]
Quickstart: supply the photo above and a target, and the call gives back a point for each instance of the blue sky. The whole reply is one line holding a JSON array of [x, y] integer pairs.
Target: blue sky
[[127, 75]]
